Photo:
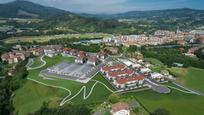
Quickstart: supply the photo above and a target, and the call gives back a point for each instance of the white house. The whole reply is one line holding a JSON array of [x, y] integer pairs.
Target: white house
[[157, 76], [50, 53], [145, 70], [92, 61]]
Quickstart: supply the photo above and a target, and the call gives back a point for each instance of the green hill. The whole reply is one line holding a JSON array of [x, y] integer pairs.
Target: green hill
[[26, 9]]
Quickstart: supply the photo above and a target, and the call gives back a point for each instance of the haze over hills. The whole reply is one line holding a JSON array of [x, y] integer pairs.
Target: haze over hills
[[141, 21], [178, 13], [22, 8]]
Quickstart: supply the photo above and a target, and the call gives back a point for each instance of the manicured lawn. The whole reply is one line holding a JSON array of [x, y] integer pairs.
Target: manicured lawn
[[177, 103], [190, 77]]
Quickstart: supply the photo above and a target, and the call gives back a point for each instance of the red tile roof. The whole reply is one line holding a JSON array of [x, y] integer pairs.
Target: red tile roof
[[82, 53], [126, 72], [134, 78], [92, 59], [110, 68]]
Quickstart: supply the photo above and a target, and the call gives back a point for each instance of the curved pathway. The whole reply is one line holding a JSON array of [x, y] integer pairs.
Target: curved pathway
[[66, 99], [189, 92], [188, 89], [33, 68], [104, 85]]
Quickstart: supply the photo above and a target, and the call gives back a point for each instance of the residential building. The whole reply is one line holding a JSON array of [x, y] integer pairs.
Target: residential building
[[157, 76], [120, 108], [50, 53], [135, 80], [145, 70], [113, 50], [114, 74], [66, 52], [93, 60], [102, 55], [106, 69], [80, 60], [14, 57]]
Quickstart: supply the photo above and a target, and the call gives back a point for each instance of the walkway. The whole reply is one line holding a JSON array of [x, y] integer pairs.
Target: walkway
[[188, 89], [157, 87], [68, 98], [40, 66]]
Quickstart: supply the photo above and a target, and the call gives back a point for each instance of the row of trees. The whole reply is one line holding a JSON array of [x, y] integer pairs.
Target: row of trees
[[10, 84], [172, 55], [65, 110]]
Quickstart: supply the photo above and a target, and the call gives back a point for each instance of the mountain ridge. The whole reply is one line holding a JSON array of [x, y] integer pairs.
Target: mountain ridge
[[29, 9]]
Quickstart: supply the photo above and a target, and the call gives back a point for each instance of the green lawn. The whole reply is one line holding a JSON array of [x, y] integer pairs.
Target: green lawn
[[29, 98], [36, 62], [99, 77], [177, 103], [157, 66], [190, 77], [46, 38], [154, 61]]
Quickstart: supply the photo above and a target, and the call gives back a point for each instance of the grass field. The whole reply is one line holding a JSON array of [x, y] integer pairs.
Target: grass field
[[36, 62], [50, 37], [190, 77], [32, 95], [157, 66], [177, 103]]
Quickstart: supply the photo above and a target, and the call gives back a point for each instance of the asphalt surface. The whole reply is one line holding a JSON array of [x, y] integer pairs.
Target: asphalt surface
[[157, 87]]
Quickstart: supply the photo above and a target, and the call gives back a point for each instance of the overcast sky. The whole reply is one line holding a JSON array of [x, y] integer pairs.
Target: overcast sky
[[117, 6]]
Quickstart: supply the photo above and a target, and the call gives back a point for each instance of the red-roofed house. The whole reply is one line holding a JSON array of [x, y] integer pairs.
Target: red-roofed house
[[81, 54], [80, 60], [102, 55], [112, 75], [73, 52], [106, 69], [13, 57], [129, 82], [92, 61], [66, 51]]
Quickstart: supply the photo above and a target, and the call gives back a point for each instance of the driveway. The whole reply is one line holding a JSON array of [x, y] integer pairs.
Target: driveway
[[157, 87]]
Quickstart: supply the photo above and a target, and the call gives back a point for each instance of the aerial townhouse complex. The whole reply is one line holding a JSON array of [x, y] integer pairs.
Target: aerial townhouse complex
[[122, 77]]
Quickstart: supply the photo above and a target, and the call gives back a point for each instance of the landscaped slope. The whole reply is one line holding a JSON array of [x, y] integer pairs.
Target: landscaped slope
[[177, 103], [190, 77]]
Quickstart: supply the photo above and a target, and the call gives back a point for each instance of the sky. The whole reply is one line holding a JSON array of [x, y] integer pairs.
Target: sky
[[117, 6]]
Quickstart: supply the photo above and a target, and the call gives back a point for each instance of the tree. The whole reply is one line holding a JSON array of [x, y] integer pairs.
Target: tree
[[65, 110], [113, 98]]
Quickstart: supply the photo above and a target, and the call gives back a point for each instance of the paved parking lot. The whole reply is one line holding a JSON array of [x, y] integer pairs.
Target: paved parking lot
[[72, 71]]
